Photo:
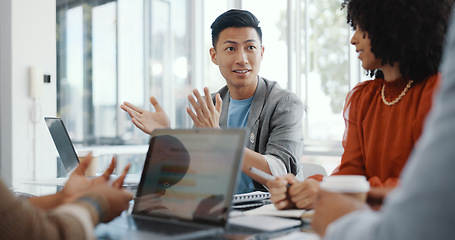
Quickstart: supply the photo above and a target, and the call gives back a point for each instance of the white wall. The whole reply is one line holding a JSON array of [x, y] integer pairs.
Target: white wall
[[28, 38]]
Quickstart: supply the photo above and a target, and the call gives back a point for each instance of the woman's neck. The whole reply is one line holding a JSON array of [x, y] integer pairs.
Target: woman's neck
[[391, 73]]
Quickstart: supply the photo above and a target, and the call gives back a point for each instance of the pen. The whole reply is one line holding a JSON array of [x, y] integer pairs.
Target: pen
[[262, 174]]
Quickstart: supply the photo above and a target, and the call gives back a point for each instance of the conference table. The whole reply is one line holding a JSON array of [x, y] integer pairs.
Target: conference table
[[235, 232]]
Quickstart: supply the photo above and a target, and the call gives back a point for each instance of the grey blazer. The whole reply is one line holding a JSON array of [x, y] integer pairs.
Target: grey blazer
[[274, 124]]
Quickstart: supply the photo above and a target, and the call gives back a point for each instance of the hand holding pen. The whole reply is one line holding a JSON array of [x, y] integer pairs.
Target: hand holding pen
[[264, 175], [287, 192]]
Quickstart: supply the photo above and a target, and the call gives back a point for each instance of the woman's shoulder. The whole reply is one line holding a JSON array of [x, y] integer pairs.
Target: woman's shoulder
[[364, 89], [361, 95], [431, 82]]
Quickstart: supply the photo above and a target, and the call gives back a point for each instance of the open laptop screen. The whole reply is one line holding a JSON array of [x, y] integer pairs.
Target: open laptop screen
[[190, 174], [63, 143]]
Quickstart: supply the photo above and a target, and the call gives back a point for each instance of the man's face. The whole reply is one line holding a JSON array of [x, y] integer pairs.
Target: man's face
[[238, 53]]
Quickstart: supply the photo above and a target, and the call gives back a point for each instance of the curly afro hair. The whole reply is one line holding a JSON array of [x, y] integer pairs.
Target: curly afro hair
[[411, 32]]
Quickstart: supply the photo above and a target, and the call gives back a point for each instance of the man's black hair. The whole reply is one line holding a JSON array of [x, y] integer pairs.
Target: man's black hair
[[234, 18]]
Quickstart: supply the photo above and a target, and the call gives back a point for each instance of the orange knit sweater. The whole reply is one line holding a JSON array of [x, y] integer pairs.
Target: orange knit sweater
[[378, 138]]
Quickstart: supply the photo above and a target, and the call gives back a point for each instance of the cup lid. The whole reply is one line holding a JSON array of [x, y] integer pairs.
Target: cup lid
[[345, 183]]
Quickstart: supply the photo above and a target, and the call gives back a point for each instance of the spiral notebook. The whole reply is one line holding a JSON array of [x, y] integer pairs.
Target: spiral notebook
[[250, 200], [250, 197]]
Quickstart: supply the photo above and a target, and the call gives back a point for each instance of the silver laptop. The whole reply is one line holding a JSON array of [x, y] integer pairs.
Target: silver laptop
[[63, 143], [69, 157], [186, 187]]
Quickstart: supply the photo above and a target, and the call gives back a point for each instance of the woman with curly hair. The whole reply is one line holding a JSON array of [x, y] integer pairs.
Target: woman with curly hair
[[422, 206], [400, 43]]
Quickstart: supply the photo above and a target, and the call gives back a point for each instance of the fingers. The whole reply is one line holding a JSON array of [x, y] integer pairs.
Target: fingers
[[203, 105], [208, 100], [218, 103], [126, 109], [107, 174], [197, 106], [285, 204], [305, 202], [196, 116], [304, 194], [201, 101], [135, 111], [155, 104], [118, 183], [204, 113], [278, 190], [278, 183], [138, 124], [193, 117], [290, 178], [129, 106], [134, 114], [83, 165]]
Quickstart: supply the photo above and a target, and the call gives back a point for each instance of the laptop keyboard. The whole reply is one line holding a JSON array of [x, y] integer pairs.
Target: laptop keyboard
[[168, 228]]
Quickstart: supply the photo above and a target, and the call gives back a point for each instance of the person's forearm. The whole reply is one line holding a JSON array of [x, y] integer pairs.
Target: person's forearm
[[21, 220], [254, 159], [47, 202]]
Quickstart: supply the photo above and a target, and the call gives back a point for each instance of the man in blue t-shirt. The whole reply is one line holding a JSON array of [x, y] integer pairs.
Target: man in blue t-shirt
[[271, 115]]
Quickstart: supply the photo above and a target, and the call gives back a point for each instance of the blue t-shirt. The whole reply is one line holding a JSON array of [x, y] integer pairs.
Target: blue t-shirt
[[238, 117]]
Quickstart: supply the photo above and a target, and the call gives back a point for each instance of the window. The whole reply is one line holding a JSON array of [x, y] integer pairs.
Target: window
[[114, 51], [110, 51]]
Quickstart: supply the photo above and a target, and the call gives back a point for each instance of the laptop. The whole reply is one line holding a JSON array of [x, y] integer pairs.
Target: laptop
[[69, 157], [63, 143], [186, 187]]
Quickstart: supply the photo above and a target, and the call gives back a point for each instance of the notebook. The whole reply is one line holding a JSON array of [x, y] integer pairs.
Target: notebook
[[250, 200], [63, 143], [186, 187], [251, 197]]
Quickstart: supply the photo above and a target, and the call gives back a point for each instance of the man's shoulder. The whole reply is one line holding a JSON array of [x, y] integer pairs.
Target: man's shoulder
[[222, 91], [277, 93]]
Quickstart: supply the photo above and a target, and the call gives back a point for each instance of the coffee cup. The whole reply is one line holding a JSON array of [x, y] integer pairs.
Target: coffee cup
[[90, 171], [355, 186]]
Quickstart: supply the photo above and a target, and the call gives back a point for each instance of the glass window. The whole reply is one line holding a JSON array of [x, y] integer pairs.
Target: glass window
[[130, 70], [272, 17], [70, 86], [114, 51], [104, 71], [325, 69], [212, 76]]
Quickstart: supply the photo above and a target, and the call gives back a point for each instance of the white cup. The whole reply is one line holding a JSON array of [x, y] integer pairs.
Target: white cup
[[355, 186], [92, 167]]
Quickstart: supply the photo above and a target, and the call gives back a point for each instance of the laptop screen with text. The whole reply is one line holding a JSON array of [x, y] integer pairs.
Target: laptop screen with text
[[190, 174]]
